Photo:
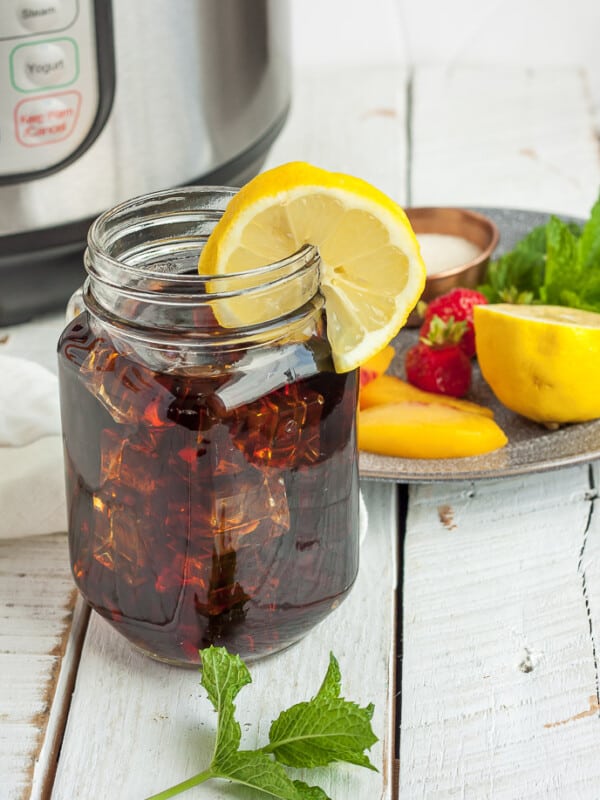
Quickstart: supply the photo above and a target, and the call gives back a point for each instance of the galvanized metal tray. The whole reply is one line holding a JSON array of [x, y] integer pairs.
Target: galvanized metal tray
[[531, 447]]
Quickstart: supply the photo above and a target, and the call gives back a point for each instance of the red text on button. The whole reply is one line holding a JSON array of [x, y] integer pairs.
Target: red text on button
[[46, 119]]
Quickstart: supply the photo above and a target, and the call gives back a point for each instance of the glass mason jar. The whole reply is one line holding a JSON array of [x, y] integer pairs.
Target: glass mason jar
[[211, 471]]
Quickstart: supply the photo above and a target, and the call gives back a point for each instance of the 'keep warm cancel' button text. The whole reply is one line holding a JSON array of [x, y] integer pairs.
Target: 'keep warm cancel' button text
[[47, 119]]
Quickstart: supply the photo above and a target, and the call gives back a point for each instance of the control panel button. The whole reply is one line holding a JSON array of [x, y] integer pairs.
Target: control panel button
[[53, 63], [50, 97], [47, 119], [43, 16]]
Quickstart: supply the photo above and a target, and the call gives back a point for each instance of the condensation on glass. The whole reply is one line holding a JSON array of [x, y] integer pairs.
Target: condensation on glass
[[211, 471]]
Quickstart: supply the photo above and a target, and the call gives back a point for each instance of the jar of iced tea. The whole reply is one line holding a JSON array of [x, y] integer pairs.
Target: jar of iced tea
[[210, 449]]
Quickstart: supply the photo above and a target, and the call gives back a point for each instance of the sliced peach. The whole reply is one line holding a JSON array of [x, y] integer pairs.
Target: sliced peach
[[376, 365], [426, 430], [388, 389]]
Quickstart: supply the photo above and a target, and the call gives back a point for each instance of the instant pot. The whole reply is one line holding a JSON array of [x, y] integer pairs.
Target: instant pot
[[102, 100]]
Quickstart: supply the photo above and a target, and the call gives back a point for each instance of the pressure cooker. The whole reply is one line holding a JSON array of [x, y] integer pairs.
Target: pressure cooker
[[103, 100]]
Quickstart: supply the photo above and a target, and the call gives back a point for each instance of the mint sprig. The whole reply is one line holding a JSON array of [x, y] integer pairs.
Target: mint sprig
[[314, 733], [555, 264]]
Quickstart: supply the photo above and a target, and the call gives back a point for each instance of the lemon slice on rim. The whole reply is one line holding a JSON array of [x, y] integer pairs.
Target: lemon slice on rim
[[372, 273], [541, 361]]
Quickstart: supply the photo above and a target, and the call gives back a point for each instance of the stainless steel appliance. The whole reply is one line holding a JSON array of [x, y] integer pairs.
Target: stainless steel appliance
[[102, 100]]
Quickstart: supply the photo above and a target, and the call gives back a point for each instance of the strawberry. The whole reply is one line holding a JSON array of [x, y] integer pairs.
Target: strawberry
[[457, 305], [437, 363]]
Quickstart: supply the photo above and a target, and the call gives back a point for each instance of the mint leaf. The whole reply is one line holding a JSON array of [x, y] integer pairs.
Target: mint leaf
[[587, 294], [332, 682], [573, 265], [256, 770], [324, 729], [562, 262], [590, 241], [223, 675], [310, 792], [314, 733], [520, 270]]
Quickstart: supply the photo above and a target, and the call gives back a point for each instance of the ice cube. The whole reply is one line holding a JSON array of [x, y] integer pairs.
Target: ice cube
[[128, 391], [232, 506], [283, 428]]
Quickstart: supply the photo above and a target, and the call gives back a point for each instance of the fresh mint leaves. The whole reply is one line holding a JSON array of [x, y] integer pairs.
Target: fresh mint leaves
[[315, 733], [555, 264], [325, 729], [519, 272]]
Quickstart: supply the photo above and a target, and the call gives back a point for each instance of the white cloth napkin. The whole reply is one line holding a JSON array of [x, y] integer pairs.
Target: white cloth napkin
[[28, 402], [32, 490]]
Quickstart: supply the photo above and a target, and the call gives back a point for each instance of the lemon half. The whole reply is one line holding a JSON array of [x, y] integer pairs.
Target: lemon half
[[541, 361], [372, 273]]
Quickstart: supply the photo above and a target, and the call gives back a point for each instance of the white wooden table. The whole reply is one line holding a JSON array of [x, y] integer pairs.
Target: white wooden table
[[500, 619]]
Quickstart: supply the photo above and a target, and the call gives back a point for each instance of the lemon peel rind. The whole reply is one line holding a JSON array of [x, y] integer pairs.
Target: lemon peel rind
[[546, 369]]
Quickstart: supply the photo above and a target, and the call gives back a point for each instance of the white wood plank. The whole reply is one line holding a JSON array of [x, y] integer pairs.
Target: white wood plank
[[520, 138], [508, 33], [349, 120], [500, 673], [502, 579], [137, 727], [36, 611], [336, 32]]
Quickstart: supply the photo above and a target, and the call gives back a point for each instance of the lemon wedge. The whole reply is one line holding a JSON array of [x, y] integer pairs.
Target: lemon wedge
[[541, 361], [371, 274]]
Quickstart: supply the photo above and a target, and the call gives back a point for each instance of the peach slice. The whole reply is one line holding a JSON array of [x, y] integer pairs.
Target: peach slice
[[376, 365], [387, 389], [426, 430]]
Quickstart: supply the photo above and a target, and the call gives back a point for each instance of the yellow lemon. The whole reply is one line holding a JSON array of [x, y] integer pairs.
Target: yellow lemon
[[372, 273], [541, 361]]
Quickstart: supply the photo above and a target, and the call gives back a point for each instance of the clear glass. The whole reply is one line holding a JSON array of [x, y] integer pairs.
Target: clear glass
[[211, 471]]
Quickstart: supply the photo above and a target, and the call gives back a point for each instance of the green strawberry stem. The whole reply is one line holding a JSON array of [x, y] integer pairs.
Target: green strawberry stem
[[442, 332]]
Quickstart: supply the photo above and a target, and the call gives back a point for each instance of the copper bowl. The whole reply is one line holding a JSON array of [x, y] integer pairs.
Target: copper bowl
[[469, 225]]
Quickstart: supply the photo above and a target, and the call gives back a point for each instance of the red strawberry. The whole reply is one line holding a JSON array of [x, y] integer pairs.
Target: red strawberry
[[437, 363], [457, 305]]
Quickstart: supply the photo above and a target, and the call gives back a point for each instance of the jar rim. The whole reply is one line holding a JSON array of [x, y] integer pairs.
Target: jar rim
[[98, 262], [142, 258]]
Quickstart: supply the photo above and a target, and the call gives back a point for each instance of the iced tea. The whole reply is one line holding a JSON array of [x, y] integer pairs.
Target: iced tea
[[193, 524], [211, 473]]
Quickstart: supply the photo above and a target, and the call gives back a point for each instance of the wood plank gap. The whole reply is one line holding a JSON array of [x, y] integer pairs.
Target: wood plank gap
[[591, 497], [588, 93], [59, 701], [402, 506], [408, 172]]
